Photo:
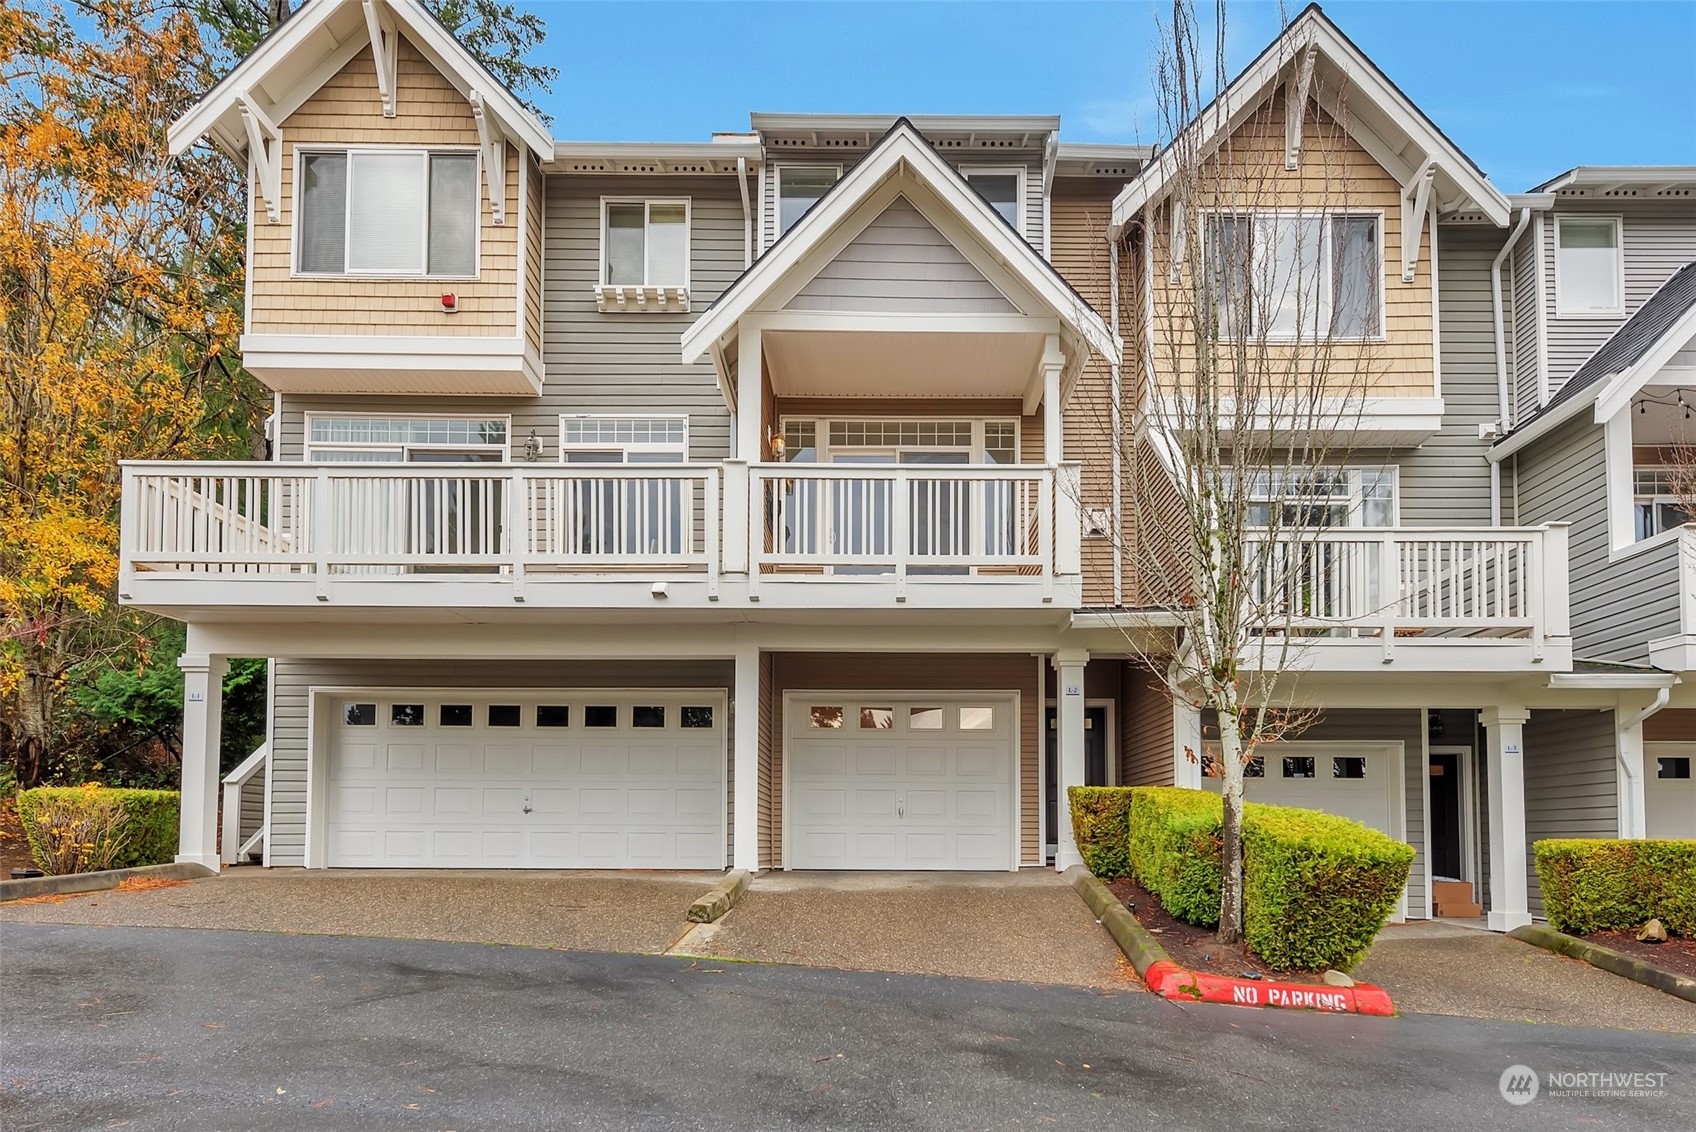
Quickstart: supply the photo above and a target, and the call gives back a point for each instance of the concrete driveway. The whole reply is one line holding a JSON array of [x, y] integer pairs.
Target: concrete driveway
[[1025, 927], [578, 911]]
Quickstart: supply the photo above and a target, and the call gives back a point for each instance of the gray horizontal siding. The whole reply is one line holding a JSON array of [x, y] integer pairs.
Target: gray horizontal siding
[[1659, 238], [296, 678], [900, 262], [1446, 480], [1390, 725], [1522, 284], [1618, 606], [1571, 789]]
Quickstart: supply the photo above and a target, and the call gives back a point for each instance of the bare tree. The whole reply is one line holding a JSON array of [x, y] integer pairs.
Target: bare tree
[[1250, 292]]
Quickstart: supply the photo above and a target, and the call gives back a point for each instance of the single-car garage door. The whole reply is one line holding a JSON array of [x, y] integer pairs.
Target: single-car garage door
[[546, 780], [1351, 780], [880, 782], [1669, 789]]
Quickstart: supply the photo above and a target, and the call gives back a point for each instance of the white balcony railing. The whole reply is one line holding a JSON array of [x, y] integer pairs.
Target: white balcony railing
[[911, 521], [1390, 582], [377, 520]]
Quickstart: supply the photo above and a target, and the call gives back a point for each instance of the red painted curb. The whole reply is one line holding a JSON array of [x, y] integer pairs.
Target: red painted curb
[[1168, 980]]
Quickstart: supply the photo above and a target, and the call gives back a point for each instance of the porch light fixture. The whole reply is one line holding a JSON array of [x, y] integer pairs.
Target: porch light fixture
[[774, 440], [532, 447]]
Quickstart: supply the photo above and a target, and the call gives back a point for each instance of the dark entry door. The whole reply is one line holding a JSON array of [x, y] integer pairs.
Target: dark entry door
[[1095, 762], [1445, 816]]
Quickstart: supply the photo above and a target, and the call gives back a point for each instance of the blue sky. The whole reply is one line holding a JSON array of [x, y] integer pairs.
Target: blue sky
[[1526, 89]]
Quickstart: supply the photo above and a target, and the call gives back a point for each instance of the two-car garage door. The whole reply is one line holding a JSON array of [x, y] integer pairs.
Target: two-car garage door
[[568, 779], [880, 782]]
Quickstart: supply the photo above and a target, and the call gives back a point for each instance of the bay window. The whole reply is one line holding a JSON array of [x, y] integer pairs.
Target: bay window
[[387, 212], [1294, 275]]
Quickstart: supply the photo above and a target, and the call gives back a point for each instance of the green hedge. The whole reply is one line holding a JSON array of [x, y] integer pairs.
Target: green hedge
[[1174, 847], [1101, 826], [149, 822], [1609, 885], [1316, 888]]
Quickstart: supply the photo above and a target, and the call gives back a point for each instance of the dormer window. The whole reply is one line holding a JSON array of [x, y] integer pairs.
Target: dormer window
[[387, 212]]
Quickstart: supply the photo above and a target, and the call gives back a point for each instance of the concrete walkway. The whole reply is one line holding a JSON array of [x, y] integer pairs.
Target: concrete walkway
[[1436, 968], [579, 911], [1024, 927]]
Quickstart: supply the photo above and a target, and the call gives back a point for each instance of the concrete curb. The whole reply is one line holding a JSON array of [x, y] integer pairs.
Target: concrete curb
[[720, 898], [1142, 949], [1609, 960], [97, 882], [1165, 978]]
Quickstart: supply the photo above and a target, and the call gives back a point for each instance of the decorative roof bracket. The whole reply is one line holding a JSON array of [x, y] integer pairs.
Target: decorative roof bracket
[[1416, 202], [385, 52], [265, 150], [493, 148], [1295, 106]]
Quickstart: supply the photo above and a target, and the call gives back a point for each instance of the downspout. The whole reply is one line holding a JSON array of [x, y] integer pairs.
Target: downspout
[[1659, 702], [1118, 533], [1504, 424], [748, 213]]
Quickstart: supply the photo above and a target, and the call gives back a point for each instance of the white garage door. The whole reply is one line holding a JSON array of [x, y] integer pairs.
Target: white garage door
[[1669, 789], [1351, 780], [885, 783], [552, 780]]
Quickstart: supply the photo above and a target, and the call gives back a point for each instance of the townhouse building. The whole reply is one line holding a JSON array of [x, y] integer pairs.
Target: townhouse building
[[759, 502]]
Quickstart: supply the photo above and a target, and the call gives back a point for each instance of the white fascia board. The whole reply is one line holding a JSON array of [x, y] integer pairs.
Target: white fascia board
[[752, 151], [1546, 423], [925, 123], [1250, 88], [426, 34], [1629, 382], [382, 345], [1364, 415], [1621, 175], [1620, 681], [906, 147]]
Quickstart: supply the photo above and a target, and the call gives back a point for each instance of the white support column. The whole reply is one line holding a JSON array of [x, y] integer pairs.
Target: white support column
[[745, 852], [1628, 767], [1069, 723], [750, 397], [1505, 763], [1053, 426], [1186, 744], [203, 699]]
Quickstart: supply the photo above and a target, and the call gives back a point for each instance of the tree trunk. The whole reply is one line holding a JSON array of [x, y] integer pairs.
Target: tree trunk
[[1231, 848], [34, 709]]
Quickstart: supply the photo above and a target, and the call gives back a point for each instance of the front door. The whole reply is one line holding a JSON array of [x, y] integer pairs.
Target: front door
[[1095, 766], [1445, 816]]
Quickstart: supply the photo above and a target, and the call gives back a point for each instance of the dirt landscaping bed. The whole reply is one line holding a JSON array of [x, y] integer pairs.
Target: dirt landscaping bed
[[14, 848], [1675, 955], [1194, 948]]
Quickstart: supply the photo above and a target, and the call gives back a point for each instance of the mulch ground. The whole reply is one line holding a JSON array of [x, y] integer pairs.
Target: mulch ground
[[1678, 955], [14, 850], [1194, 948]]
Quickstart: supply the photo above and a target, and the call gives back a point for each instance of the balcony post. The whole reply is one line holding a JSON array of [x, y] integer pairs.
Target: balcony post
[[739, 533], [1053, 416], [203, 697], [1069, 726], [1505, 766], [519, 516], [1556, 613], [1068, 520], [128, 530]]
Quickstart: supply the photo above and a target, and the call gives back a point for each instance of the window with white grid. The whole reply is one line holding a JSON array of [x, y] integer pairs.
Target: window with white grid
[[624, 440]]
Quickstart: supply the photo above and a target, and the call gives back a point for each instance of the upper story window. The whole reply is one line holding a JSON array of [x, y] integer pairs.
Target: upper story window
[[387, 212], [1294, 275], [901, 441], [1003, 189], [1656, 506], [624, 440], [645, 243], [1589, 266], [385, 439], [799, 187], [1323, 497]]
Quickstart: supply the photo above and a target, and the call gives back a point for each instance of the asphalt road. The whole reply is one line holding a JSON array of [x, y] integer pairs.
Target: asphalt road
[[181, 1029]]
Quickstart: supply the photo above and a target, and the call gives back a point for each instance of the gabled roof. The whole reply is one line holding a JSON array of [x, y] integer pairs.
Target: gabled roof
[[903, 148], [311, 46], [1376, 106]]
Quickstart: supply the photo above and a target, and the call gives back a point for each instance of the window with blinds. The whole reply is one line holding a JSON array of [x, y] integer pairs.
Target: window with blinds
[[645, 243], [387, 212]]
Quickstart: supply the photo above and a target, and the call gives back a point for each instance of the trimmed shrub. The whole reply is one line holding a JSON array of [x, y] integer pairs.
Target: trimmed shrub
[[88, 828], [1174, 849], [1316, 888], [1101, 825], [1604, 884]]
